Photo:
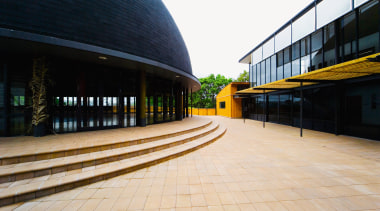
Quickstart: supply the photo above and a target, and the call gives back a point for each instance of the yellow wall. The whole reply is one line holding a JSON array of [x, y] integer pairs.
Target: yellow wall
[[233, 107], [202, 111]]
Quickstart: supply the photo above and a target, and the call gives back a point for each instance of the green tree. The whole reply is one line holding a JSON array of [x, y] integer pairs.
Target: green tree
[[243, 77], [210, 87]]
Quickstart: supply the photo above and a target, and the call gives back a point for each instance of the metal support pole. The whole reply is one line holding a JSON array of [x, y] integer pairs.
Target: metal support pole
[[191, 98], [264, 110], [301, 110]]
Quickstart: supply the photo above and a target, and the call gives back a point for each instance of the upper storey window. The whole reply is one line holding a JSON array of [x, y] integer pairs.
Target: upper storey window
[[283, 39], [304, 25], [330, 10], [359, 2]]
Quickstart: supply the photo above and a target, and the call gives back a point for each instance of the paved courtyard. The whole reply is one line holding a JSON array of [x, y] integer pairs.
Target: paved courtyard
[[249, 168]]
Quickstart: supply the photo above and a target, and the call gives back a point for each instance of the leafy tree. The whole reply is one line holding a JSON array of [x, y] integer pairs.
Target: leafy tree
[[243, 77], [210, 87]]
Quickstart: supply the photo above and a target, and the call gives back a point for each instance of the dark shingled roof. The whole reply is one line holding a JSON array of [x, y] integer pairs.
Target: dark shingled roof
[[143, 28]]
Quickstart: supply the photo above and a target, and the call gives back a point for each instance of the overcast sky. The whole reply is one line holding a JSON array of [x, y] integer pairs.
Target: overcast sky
[[218, 33]]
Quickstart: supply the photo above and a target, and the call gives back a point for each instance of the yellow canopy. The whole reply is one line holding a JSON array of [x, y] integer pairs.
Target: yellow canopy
[[351, 69]]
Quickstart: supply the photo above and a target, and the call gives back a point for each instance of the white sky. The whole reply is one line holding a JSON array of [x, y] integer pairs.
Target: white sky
[[218, 33]]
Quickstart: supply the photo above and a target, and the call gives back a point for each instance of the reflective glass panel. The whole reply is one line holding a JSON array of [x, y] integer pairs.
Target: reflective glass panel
[[287, 55], [280, 67], [273, 68], [283, 39], [296, 50], [359, 2], [296, 69], [258, 77], [305, 64], [329, 45], [254, 81], [267, 70], [348, 39], [330, 10], [305, 46], [262, 72], [304, 25], [369, 29], [316, 47], [287, 70]]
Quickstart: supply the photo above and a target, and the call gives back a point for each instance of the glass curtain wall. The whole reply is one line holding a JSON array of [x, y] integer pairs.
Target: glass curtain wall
[[369, 29], [287, 63], [347, 49], [280, 65], [296, 63], [305, 55], [329, 44], [316, 50], [273, 68], [267, 70]]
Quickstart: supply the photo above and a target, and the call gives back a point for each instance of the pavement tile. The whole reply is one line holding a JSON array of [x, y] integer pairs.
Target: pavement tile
[[249, 168]]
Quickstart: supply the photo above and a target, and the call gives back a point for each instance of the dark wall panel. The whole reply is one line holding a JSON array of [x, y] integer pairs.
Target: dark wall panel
[[142, 28]]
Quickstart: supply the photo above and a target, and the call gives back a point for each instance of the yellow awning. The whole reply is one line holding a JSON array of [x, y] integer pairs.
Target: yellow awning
[[351, 69]]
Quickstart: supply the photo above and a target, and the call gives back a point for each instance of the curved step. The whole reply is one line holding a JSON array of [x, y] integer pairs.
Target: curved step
[[38, 189], [12, 173], [52, 153]]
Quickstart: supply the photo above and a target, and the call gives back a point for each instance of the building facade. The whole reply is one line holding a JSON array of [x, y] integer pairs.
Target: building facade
[[226, 104], [320, 70], [105, 64]]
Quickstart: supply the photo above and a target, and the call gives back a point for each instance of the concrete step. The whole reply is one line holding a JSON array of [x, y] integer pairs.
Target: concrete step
[[42, 150], [29, 170], [26, 190]]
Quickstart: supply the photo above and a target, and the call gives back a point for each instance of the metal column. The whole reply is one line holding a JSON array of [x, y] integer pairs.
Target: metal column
[[301, 109], [264, 110]]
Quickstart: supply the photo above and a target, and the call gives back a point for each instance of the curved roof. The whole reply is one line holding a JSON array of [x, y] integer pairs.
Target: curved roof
[[140, 28]]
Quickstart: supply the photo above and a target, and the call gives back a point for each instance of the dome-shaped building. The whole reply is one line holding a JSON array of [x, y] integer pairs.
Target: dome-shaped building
[[104, 64]]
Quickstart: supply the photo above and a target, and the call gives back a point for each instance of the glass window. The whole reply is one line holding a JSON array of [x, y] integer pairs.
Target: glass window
[[287, 70], [304, 25], [273, 68], [296, 68], [296, 50], [359, 2], [369, 29], [91, 101], [222, 105], [287, 64], [257, 55], [316, 48], [283, 39], [329, 45], [325, 13], [258, 73], [267, 70], [268, 48], [280, 67], [254, 76], [263, 72], [296, 47], [348, 39], [305, 64], [305, 46], [287, 55]]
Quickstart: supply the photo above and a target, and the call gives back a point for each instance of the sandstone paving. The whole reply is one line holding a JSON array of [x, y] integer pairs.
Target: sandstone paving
[[249, 168]]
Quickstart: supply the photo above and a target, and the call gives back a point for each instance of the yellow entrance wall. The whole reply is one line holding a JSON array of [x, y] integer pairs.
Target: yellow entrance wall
[[202, 111], [233, 107]]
